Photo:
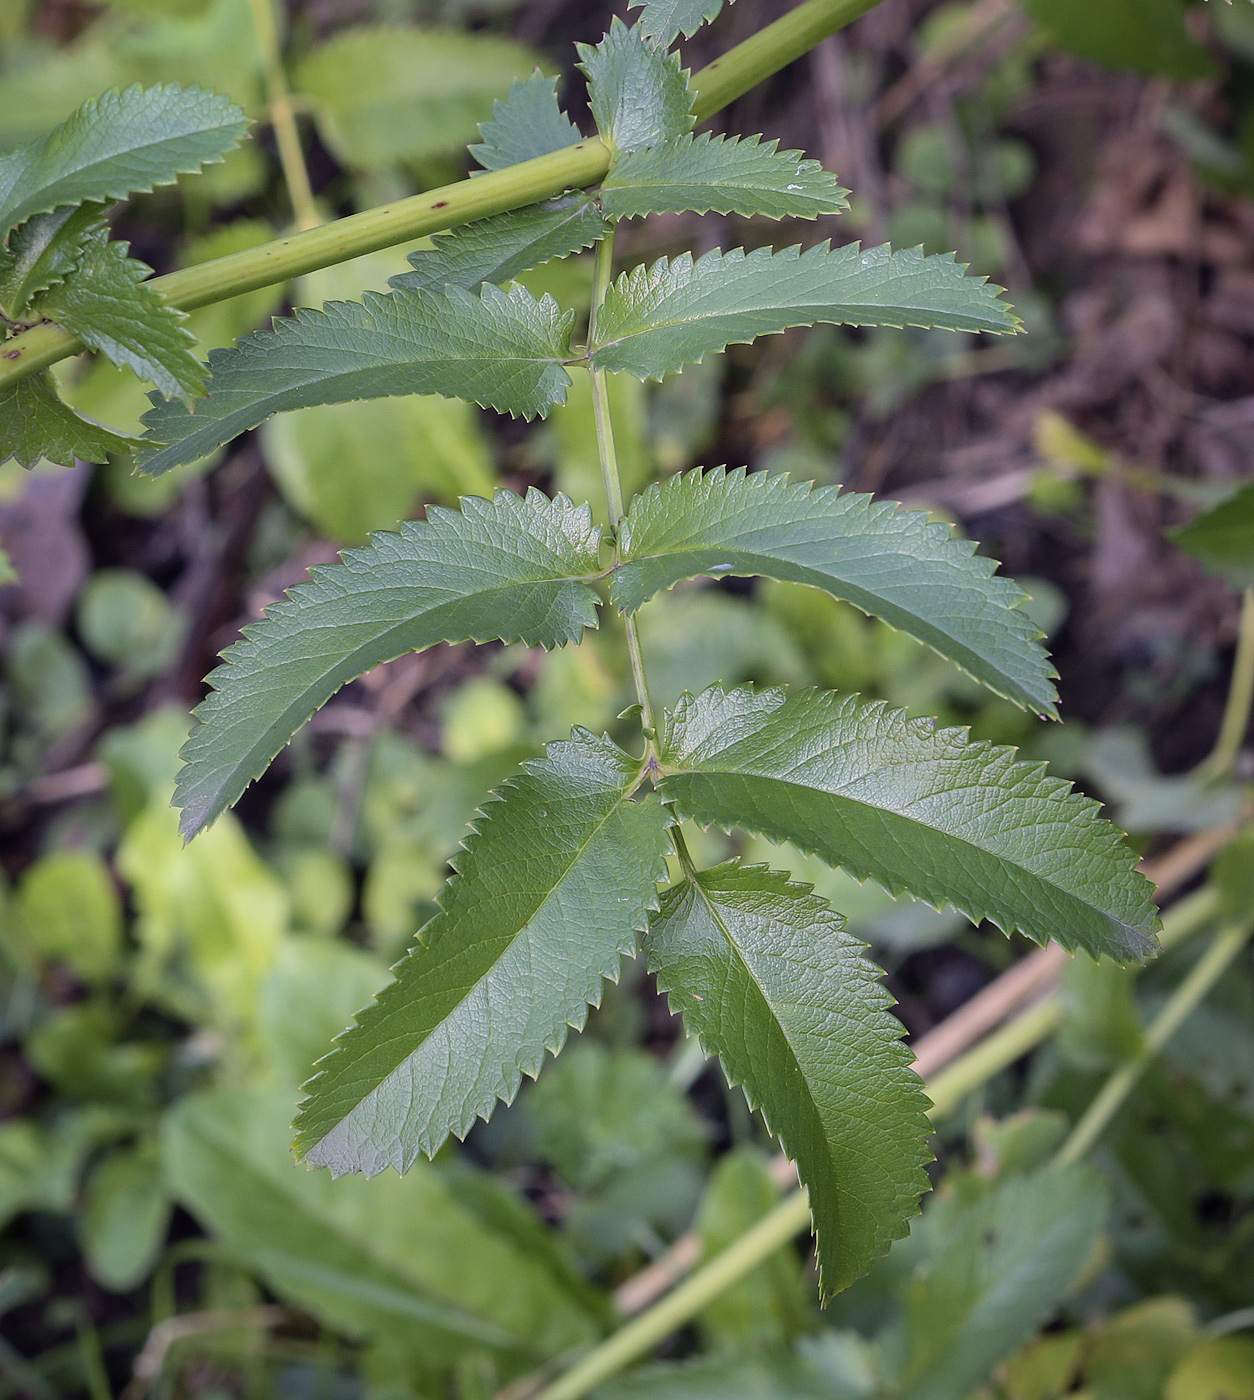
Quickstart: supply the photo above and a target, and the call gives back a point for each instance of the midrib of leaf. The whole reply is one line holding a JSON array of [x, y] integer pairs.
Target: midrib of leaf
[[811, 1098], [524, 925], [891, 816]]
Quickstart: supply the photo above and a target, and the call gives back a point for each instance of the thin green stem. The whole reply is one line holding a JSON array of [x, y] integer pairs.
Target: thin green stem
[[1236, 718], [947, 1089], [603, 269], [643, 1333], [494, 192], [1208, 969], [283, 117]]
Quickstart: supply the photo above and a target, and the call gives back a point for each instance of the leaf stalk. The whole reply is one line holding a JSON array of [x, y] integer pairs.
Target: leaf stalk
[[1236, 718], [283, 117], [602, 271]]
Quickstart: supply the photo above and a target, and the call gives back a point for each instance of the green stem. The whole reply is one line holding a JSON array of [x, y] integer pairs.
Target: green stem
[[495, 192], [643, 1333], [283, 117], [1209, 968], [788, 1219], [602, 271], [1236, 718]]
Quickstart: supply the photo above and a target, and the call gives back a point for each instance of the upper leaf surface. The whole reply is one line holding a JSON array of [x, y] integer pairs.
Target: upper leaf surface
[[34, 423], [42, 253], [1223, 539], [893, 564], [512, 569], [727, 174], [502, 349], [107, 304], [500, 248], [526, 124], [765, 974], [550, 892], [657, 319], [119, 144], [922, 811], [639, 95], [663, 21]]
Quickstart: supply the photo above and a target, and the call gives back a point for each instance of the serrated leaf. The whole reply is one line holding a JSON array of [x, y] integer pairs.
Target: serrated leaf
[[638, 94], [663, 21], [726, 174], [42, 253], [501, 248], [527, 123], [893, 564], [766, 975], [923, 811], [501, 349], [658, 318], [1222, 539], [106, 303], [550, 892], [123, 143], [34, 423], [512, 569], [998, 1267]]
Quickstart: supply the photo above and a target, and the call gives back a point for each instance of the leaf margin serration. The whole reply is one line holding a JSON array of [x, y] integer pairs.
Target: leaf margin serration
[[667, 280], [753, 707], [287, 612], [480, 830], [359, 317], [685, 493], [881, 1027]]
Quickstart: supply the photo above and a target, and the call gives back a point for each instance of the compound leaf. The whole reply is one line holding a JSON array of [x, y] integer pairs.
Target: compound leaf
[[658, 319], [501, 349], [42, 253], [550, 892], [893, 564], [996, 1268], [511, 569], [107, 304], [1222, 539], [123, 143], [766, 975], [500, 248], [34, 423], [663, 21], [639, 94], [922, 811], [526, 124], [727, 174]]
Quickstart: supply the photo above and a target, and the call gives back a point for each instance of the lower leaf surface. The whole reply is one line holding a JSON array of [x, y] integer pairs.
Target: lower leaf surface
[[550, 892], [765, 973]]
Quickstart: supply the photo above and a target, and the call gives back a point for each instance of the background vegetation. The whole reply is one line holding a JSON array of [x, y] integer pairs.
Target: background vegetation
[[159, 1005]]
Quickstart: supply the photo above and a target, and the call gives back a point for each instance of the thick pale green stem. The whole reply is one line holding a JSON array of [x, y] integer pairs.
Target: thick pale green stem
[[792, 1216], [283, 117], [1209, 968], [577, 166], [1236, 718], [603, 268]]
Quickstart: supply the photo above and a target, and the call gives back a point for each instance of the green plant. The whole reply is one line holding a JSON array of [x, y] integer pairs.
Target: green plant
[[560, 879]]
